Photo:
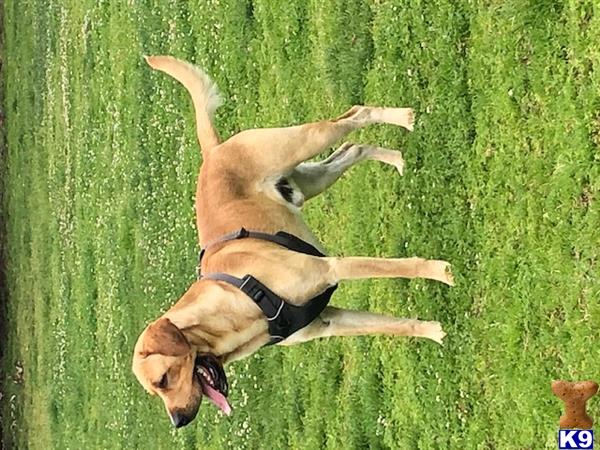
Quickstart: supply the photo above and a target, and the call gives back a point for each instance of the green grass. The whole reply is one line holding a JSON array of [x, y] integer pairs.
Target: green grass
[[502, 179]]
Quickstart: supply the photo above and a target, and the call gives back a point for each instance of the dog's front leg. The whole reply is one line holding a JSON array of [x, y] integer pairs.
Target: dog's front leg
[[345, 322], [353, 268]]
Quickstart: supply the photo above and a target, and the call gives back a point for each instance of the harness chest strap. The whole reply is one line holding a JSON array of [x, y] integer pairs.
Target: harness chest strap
[[283, 318]]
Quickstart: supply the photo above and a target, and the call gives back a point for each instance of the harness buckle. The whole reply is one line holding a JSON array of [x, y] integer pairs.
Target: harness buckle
[[251, 287], [242, 233], [247, 279]]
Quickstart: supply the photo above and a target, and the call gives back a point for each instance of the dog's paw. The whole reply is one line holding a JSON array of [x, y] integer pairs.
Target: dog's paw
[[396, 160], [402, 117], [433, 331], [439, 270]]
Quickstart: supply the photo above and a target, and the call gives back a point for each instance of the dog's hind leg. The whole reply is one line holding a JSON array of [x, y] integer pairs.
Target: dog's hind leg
[[277, 151], [345, 322], [314, 178]]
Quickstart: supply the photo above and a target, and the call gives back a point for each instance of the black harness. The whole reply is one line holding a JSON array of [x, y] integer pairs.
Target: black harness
[[284, 318]]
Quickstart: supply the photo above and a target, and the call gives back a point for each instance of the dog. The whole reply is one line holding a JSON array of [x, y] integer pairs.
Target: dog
[[258, 180]]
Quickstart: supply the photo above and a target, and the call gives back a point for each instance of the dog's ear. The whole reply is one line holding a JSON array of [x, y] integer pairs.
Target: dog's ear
[[164, 338]]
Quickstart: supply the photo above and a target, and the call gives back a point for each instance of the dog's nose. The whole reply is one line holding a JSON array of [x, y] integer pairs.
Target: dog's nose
[[179, 420]]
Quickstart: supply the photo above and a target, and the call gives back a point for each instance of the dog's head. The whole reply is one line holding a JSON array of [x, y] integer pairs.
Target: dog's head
[[167, 365]]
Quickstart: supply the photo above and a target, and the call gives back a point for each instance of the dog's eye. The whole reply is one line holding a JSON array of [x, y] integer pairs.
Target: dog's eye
[[163, 382]]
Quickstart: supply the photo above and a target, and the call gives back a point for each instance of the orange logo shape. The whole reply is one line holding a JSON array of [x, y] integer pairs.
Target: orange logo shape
[[575, 395]]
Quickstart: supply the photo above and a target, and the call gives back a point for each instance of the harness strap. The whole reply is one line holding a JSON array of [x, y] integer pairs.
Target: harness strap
[[282, 238], [270, 303], [283, 318]]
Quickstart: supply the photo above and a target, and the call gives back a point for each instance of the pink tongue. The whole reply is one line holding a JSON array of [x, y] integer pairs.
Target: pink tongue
[[217, 398]]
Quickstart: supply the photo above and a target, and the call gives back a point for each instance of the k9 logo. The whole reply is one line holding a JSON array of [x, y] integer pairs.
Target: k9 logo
[[575, 439]]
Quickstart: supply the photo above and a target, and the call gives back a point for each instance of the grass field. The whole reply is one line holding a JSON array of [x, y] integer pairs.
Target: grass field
[[502, 179]]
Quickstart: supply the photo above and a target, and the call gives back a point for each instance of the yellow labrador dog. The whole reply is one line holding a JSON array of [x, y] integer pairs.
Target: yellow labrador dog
[[266, 279]]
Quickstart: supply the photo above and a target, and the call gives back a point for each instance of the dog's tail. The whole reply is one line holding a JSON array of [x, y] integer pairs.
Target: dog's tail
[[204, 94]]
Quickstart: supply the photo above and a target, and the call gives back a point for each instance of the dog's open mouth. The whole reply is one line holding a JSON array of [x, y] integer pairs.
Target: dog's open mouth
[[211, 377]]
